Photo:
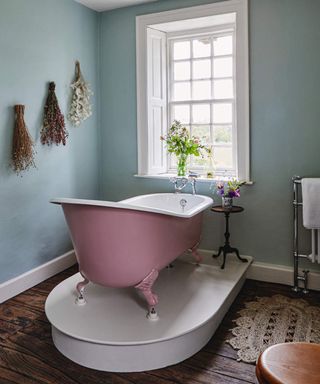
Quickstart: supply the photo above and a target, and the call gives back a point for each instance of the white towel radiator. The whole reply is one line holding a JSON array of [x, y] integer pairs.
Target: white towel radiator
[[297, 204]]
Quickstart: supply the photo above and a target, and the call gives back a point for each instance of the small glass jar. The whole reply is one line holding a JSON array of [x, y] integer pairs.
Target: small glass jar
[[227, 202]]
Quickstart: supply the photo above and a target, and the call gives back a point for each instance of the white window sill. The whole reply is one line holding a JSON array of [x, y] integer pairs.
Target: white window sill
[[201, 179]]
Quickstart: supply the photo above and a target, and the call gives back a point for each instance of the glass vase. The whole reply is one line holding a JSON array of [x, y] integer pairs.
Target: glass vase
[[182, 165], [227, 202], [210, 165]]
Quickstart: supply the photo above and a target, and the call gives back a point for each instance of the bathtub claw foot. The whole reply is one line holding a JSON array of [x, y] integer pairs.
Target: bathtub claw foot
[[196, 255], [152, 314], [145, 287], [80, 300]]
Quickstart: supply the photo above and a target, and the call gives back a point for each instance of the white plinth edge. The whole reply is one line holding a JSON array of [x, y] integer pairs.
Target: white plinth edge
[[111, 332]]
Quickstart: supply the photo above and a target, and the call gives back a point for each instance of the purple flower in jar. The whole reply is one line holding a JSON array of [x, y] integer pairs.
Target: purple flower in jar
[[231, 189], [234, 193], [237, 193], [220, 189]]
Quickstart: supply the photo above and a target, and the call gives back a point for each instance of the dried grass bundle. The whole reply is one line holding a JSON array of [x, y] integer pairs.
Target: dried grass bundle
[[53, 130], [22, 145], [80, 108]]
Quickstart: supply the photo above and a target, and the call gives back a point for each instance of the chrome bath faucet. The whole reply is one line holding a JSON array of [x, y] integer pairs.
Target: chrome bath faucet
[[181, 183]]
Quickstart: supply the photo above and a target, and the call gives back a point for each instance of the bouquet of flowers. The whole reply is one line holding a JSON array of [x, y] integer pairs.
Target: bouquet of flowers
[[182, 144], [230, 189]]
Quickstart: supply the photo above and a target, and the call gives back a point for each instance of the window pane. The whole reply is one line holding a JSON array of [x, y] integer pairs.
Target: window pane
[[222, 67], [222, 113], [201, 90], [201, 131], [199, 161], [201, 113], [181, 50], [201, 69], [222, 156], [222, 45], [223, 89], [222, 134], [173, 160], [202, 47], [182, 71], [181, 113], [182, 91]]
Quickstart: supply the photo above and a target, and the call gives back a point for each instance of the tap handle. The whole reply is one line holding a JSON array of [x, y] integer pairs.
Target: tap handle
[[184, 181], [192, 181], [173, 180]]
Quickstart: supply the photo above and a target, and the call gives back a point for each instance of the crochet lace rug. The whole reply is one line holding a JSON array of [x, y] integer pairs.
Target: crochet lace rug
[[273, 320]]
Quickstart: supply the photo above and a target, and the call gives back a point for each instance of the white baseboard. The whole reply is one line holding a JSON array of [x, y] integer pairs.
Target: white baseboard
[[281, 274], [29, 279], [273, 273]]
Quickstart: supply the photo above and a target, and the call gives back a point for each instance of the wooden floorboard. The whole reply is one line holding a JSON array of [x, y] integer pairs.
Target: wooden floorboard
[[27, 354]]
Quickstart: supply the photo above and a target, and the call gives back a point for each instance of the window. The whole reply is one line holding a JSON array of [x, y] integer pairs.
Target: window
[[201, 87], [192, 66]]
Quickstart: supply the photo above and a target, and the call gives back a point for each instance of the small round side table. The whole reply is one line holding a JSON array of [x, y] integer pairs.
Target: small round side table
[[226, 248]]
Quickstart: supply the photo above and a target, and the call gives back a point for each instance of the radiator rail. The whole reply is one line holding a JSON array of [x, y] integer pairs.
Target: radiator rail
[[297, 203]]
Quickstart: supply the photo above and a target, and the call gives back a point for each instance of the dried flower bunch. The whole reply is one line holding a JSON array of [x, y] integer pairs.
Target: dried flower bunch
[[80, 108], [22, 146], [53, 130], [180, 142], [230, 189]]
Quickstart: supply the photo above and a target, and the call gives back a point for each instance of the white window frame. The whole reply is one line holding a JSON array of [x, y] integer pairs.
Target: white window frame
[[240, 7]]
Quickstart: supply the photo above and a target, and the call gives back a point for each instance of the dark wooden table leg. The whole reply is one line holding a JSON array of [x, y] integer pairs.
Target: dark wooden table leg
[[219, 253], [235, 250], [224, 259], [226, 248]]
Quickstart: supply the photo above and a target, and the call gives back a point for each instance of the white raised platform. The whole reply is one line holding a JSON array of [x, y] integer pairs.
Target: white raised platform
[[112, 333]]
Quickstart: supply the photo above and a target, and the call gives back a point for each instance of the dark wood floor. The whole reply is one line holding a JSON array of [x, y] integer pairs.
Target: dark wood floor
[[27, 354]]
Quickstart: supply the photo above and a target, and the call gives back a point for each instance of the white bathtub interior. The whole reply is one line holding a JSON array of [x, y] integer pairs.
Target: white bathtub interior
[[175, 204]]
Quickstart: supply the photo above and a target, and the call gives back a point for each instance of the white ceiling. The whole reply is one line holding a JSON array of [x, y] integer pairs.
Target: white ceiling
[[107, 5]]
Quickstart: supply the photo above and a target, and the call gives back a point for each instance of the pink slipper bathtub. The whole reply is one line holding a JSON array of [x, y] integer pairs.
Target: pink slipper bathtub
[[127, 243]]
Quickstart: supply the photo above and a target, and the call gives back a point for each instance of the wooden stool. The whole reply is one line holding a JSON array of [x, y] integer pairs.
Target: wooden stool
[[289, 363]]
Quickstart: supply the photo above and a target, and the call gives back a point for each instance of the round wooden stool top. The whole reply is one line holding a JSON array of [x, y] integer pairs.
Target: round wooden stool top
[[289, 363]]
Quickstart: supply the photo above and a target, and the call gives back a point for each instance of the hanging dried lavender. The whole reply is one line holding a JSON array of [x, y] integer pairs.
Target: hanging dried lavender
[[22, 145], [53, 130], [80, 108]]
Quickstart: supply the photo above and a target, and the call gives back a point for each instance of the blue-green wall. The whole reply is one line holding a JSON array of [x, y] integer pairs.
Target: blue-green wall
[[285, 115], [39, 42]]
